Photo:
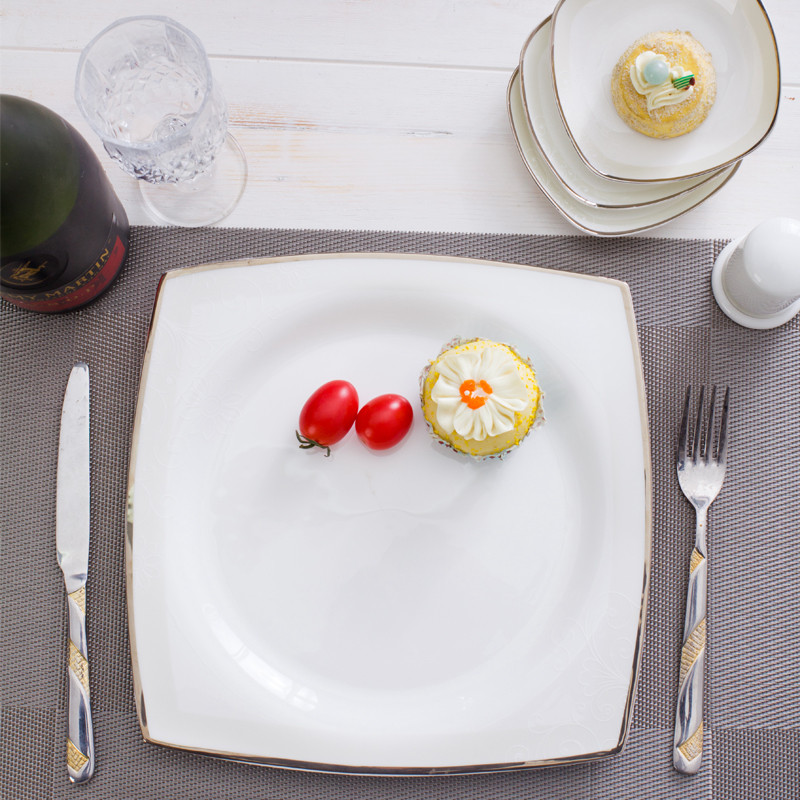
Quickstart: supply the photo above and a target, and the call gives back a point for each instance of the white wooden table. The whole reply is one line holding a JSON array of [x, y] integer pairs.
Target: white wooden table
[[380, 114]]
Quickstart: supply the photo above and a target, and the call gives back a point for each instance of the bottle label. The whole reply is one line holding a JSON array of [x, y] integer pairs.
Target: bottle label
[[83, 289], [28, 274]]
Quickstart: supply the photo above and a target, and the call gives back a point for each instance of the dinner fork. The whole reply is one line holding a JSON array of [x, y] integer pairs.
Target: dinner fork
[[700, 475]]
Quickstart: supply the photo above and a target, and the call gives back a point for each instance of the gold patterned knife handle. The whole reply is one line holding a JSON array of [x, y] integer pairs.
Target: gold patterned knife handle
[[687, 749], [80, 736]]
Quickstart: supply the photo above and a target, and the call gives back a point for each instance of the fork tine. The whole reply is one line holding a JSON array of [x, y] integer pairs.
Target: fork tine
[[708, 440], [722, 445], [698, 423], [683, 434]]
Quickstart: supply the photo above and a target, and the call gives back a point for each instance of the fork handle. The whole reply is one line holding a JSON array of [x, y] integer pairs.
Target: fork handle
[[687, 749]]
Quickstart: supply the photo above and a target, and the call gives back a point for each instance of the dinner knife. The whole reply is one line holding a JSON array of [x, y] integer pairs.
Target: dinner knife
[[72, 544]]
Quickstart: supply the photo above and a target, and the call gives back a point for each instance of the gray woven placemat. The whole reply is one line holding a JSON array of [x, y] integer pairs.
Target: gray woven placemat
[[752, 746]]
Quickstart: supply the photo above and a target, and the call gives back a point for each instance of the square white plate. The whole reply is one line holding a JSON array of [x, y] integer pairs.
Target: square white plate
[[547, 128], [589, 36], [412, 611], [598, 221]]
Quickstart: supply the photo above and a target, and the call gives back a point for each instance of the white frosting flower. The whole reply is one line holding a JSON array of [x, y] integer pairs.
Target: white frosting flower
[[661, 94], [478, 393]]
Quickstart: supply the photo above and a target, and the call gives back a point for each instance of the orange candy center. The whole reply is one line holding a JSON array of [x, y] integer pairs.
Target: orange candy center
[[474, 394]]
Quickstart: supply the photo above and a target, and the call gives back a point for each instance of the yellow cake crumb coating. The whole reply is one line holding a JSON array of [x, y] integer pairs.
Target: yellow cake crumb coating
[[679, 48], [521, 420]]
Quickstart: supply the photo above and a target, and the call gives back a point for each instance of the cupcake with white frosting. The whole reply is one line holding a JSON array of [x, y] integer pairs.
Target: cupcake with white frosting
[[664, 84], [480, 397]]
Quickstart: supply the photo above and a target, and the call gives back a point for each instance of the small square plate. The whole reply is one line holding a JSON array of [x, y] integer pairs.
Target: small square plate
[[405, 612], [547, 128], [589, 36], [597, 220]]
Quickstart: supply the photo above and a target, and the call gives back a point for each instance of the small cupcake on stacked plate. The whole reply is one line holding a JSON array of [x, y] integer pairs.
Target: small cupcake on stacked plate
[[664, 84], [480, 397]]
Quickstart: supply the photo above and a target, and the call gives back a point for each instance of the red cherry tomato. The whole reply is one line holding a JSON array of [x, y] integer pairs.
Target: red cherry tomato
[[384, 421], [328, 415]]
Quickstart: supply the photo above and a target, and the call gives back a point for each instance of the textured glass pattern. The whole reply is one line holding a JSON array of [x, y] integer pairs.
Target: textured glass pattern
[[145, 86]]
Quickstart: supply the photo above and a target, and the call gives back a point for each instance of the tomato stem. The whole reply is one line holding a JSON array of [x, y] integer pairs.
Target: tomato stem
[[307, 444]]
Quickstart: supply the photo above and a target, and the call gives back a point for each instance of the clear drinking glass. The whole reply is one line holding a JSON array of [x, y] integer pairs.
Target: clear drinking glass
[[144, 85]]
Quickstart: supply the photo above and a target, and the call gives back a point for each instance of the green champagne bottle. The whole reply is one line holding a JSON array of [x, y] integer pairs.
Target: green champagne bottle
[[63, 231]]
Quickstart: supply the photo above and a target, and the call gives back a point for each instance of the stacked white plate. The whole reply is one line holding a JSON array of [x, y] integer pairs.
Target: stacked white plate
[[605, 178]]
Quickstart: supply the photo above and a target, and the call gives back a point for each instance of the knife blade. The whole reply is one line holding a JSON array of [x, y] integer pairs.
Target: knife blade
[[72, 545]]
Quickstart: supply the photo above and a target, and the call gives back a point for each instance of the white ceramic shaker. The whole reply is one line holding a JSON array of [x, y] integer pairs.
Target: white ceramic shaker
[[756, 279]]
